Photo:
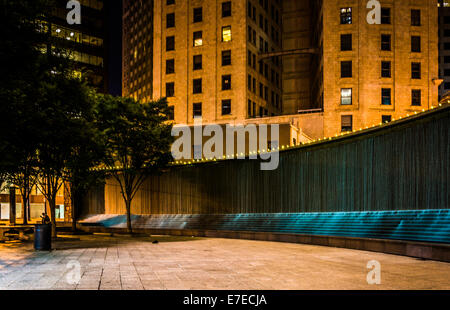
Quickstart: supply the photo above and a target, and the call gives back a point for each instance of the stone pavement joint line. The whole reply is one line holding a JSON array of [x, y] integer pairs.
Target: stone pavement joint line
[[121, 263]]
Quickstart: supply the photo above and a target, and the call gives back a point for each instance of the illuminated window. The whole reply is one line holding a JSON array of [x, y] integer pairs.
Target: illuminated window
[[346, 96], [198, 41], [226, 34], [346, 16]]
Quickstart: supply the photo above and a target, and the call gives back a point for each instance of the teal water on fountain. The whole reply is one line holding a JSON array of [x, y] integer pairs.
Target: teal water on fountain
[[416, 225]]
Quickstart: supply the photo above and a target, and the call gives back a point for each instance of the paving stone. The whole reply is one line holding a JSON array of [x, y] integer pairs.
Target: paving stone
[[111, 263]]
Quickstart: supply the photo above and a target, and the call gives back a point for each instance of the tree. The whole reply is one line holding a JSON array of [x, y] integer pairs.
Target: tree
[[87, 153], [137, 138], [64, 103], [19, 113]]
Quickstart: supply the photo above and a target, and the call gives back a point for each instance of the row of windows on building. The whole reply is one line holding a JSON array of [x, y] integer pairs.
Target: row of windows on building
[[346, 16], [263, 92], [197, 86], [386, 96], [347, 121], [264, 4], [347, 71], [347, 44], [263, 25], [197, 109], [197, 62], [264, 70], [198, 14], [198, 38]]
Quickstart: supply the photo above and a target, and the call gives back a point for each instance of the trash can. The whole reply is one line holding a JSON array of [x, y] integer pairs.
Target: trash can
[[43, 237]]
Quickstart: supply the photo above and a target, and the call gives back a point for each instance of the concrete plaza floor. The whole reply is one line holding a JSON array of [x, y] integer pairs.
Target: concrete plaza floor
[[119, 262]]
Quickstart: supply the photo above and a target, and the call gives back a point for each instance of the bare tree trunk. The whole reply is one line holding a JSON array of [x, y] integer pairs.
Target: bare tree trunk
[[128, 206], [25, 199], [52, 205]]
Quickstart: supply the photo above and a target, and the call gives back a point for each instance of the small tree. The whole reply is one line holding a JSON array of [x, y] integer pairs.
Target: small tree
[[137, 139], [64, 102], [87, 153]]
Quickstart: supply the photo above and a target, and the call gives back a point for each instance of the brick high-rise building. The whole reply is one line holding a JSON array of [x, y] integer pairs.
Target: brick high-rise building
[[372, 73], [203, 56], [444, 46], [234, 60]]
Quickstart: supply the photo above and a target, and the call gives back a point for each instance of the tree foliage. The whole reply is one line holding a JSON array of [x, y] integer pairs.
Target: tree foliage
[[137, 138]]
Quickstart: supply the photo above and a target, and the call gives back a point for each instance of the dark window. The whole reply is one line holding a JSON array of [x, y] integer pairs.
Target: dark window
[[446, 85], [198, 41], [170, 43], [197, 110], [415, 44], [171, 113], [249, 83], [198, 15], [415, 17], [226, 9], [226, 82], [170, 66], [447, 59], [346, 42], [346, 69], [385, 42], [346, 15], [198, 62], [385, 15], [386, 69], [346, 123], [197, 86], [447, 46], [386, 118], [346, 96], [386, 96], [249, 108], [415, 70], [447, 20], [226, 107], [170, 19], [446, 32], [226, 58], [261, 90], [170, 89], [416, 97], [169, 2]]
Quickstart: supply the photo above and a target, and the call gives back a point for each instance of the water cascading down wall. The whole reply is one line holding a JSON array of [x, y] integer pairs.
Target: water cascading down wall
[[386, 182]]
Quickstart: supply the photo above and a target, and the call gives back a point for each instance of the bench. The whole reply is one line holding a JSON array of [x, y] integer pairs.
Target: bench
[[20, 232]]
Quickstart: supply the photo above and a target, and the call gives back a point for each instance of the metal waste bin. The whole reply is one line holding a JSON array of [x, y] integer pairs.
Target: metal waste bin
[[43, 237]]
